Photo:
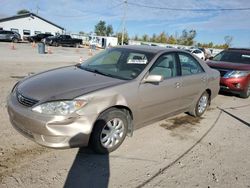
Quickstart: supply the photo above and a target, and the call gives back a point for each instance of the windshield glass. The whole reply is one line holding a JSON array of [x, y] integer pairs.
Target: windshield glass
[[233, 56], [120, 63]]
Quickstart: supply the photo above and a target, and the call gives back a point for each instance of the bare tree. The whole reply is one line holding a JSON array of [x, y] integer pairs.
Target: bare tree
[[228, 40]]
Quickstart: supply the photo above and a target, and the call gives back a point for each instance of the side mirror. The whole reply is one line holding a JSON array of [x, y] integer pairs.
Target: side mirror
[[211, 58], [153, 79]]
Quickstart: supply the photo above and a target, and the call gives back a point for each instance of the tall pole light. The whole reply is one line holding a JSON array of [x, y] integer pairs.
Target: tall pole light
[[123, 20]]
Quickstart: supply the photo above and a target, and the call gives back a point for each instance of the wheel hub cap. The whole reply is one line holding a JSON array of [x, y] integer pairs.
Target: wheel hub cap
[[112, 133], [202, 104]]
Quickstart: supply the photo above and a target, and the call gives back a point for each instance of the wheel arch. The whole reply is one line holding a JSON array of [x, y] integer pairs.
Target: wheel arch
[[129, 113], [210, 94]]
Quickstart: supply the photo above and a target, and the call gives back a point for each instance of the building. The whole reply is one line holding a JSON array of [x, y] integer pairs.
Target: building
[[29, 24]]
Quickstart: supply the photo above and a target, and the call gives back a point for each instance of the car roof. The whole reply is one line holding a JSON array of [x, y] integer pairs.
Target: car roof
[[244, 50], [152, 49]]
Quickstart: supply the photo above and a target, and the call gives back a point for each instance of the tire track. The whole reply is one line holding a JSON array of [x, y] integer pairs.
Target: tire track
[[12, 160], [181, 156]]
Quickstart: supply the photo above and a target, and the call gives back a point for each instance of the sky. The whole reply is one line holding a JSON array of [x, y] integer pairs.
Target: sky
[[83, 15]]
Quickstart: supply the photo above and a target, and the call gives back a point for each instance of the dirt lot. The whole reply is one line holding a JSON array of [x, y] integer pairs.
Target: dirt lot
[[181, 151]]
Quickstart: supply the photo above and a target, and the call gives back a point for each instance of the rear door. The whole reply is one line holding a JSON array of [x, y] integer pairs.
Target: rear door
[[194, 79], [158, 100]]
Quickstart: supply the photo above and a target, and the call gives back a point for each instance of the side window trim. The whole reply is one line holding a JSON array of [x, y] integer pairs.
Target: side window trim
[[177, 66], [197, 63]]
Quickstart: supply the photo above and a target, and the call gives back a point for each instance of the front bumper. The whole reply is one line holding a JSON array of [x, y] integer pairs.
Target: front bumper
[[47, 130], [234, 85]]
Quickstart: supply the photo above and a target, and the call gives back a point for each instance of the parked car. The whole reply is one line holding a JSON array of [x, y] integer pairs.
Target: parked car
[[38, 37], [234, 67], [200, 54], [102, 100], [9, 36], [207, 53], [62, 40]]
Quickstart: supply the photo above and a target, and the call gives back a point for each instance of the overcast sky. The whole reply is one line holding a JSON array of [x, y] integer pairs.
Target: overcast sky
[[82, 15]]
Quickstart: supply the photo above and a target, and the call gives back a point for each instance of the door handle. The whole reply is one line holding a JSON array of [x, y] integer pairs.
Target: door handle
[[177, 84]]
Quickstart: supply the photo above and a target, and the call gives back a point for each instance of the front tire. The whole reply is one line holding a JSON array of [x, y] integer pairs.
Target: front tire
[[109, 131], [245, 94], [15, 40]]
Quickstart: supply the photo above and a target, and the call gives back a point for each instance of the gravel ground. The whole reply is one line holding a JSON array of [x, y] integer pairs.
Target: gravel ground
[[181, 151]]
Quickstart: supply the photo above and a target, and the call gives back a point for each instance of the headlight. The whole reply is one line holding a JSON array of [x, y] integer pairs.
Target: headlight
[[59, 107], [236, 74]]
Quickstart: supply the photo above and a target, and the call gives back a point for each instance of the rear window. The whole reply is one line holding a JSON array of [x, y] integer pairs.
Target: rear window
[[233, 57]]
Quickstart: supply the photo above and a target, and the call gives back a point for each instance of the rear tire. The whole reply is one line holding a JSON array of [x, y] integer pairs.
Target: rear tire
[[201, 105], [245, 94], [109, 131]]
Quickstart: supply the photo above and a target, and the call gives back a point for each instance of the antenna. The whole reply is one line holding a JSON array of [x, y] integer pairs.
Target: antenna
[[123, 20], [37, 9]]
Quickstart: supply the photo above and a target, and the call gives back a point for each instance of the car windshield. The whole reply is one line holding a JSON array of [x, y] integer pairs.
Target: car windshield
[[233, 56], [119, 63]]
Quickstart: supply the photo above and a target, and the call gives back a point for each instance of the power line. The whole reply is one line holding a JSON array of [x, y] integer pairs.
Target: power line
[[86, 13], [189, 9]]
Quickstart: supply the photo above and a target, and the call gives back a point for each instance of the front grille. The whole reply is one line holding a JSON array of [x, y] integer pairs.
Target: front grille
[[25, 100]]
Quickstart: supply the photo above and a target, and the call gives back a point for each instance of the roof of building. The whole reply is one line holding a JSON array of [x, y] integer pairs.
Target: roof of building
[[28, 15]]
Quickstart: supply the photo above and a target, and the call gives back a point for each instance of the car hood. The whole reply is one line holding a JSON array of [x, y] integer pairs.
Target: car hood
[[228, 65], [64, 83]]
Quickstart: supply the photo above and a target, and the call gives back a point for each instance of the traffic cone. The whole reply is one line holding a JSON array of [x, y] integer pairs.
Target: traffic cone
[[12, 46], [49, 50], [81, 60], [33, 44], [90, 52]]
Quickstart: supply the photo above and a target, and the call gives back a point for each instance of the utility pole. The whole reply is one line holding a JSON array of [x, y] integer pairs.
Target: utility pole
[[123, 20]]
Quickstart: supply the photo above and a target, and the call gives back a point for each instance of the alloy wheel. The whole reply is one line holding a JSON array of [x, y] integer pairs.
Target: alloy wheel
[[202, 104], [112, 133]]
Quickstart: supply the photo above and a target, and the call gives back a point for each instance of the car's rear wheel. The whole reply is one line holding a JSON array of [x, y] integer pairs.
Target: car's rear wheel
[[245, 94], [201, 105], [109, 131]]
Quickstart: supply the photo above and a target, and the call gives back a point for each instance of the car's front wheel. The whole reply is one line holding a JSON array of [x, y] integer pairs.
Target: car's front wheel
[[245, 94], [15, 40], [109, 131]]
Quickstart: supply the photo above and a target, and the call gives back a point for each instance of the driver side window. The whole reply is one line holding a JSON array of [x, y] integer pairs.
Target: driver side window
[[165, 66]]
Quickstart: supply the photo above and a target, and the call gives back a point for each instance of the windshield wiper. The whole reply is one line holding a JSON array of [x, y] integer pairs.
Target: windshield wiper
[[102, 73]]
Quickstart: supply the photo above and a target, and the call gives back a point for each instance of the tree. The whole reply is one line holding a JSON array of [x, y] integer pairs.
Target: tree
[[109, 30], [187, 37], [162, 38], [171, 40], [100, 28], [145, 38], [136, 37], [23, 11], [119, 36], [228, 40], [153, 38]]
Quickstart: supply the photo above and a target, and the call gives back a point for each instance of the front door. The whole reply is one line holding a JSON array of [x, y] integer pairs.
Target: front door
[[157, 100]]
